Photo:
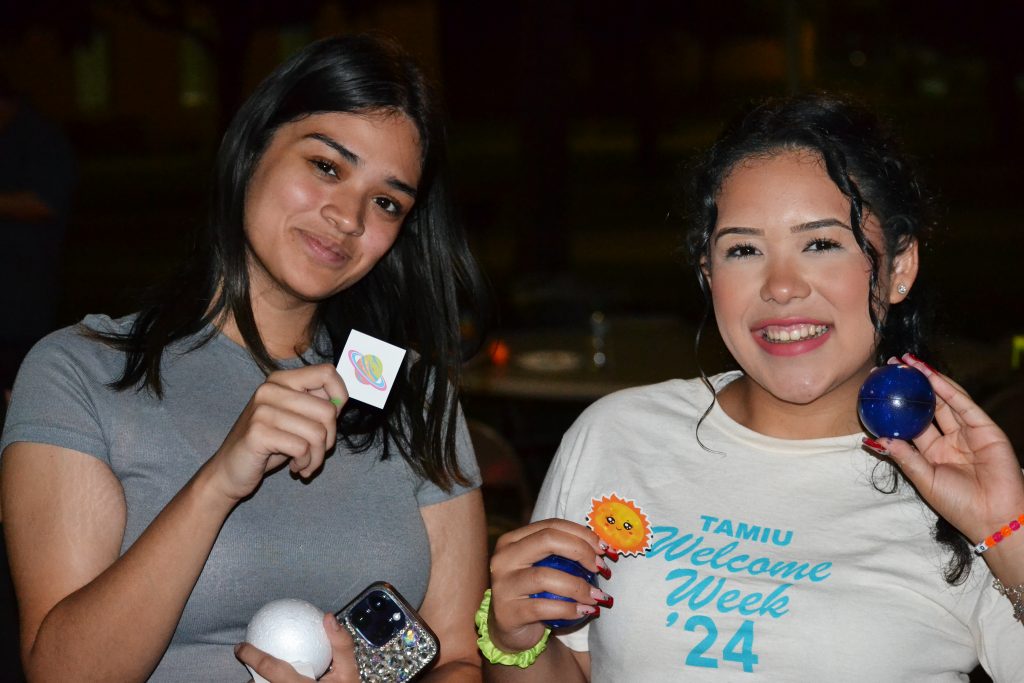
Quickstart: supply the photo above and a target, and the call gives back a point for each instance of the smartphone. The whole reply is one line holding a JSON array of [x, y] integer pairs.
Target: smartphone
[[392, 642]]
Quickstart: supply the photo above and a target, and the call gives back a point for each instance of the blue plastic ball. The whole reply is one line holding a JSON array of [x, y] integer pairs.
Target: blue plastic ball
[[569, 567], [897, 402]]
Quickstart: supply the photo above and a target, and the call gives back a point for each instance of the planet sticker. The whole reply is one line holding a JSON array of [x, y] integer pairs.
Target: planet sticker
[[369, 370], [621, 524]]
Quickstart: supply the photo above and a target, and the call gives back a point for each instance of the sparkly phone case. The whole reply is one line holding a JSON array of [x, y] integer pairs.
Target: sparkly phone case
[[408, 651]]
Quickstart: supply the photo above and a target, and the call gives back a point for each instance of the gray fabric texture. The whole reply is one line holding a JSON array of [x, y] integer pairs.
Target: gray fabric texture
[[358, 521]]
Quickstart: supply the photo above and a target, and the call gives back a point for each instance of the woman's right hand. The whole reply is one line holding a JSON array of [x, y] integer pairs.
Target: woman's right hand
[[343, 667], [291, 417], [515, 619]]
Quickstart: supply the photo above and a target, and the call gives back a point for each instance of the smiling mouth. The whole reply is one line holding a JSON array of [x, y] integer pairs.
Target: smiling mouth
[[788, 335], [329, 249]]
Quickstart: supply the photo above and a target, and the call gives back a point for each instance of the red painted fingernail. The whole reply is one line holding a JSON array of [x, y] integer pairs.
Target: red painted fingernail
[[601, 597], [605, 572], [915, 358], [612, 554], [586, 610], [875, 446]]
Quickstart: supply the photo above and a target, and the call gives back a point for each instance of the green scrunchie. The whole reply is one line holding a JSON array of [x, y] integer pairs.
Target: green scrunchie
[[491, 652]]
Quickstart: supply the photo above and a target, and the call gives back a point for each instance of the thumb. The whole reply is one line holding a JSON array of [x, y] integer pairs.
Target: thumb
[[914, 465], [343, 665]]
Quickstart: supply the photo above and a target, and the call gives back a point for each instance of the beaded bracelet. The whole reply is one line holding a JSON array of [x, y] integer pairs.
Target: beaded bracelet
[[1012, 526], [491, 652], [1016, 596]]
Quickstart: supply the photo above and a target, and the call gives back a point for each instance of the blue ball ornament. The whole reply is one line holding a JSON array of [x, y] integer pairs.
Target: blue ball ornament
[[896, 402], [569, 567]]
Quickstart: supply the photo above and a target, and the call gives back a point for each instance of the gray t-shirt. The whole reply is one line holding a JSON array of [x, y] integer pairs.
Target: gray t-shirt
[[356, 522]]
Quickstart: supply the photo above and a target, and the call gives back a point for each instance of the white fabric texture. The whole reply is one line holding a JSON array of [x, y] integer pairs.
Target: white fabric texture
[[771, 559]]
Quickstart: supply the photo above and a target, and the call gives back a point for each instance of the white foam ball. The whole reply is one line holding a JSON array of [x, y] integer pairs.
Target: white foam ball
[[291, 630]]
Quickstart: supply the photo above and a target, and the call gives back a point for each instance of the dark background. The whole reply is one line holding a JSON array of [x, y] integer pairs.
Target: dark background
[[570, 125], [570, 122]]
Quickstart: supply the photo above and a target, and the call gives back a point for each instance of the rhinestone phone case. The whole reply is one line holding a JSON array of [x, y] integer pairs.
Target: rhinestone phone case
[[409, 650]]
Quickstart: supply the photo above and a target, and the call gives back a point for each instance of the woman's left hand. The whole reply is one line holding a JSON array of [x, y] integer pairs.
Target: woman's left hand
[[963, 465], [343, 665]]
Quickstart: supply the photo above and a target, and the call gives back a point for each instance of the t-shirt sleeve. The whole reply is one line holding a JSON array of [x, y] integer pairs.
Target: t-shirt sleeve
[[429, 493], [997, 635], [54, 400]]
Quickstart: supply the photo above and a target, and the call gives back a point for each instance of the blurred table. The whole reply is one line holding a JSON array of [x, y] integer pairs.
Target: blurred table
[[558, 365]]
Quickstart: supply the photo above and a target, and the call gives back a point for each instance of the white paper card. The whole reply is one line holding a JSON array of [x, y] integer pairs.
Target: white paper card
[[368, 366]]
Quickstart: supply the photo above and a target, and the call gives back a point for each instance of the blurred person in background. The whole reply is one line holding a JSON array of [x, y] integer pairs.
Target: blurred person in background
[[36, 183]]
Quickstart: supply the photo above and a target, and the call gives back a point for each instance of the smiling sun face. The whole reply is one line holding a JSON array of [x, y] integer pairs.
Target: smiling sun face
[[621, 524]]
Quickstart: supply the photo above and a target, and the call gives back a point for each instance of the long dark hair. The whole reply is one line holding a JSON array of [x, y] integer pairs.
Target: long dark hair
[[864, 159], [414, 297]]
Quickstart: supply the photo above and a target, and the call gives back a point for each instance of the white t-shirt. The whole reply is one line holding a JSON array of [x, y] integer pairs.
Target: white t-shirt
[[770, 560]]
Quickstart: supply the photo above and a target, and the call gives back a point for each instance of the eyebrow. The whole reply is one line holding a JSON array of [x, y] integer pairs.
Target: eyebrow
[[354, 159], [818, 224], [795, 229]]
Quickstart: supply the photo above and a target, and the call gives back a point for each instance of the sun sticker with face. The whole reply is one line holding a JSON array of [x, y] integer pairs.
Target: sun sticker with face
[[621, 524]]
